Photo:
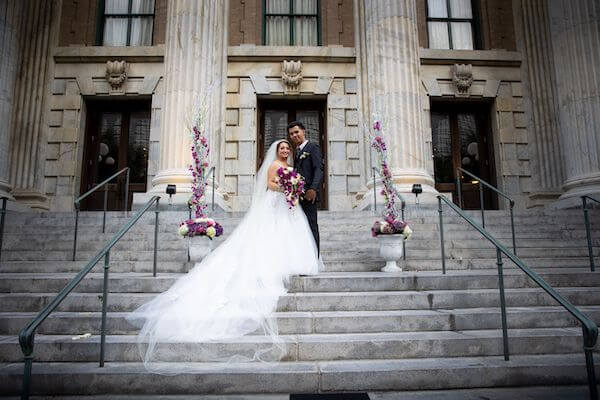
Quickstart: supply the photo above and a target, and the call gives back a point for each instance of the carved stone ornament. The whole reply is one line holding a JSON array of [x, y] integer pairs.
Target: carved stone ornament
[[116, 73], [291, 74], [462, 75]]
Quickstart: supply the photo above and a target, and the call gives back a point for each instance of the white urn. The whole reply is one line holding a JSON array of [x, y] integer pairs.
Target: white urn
[[391, 250], [199, 247]]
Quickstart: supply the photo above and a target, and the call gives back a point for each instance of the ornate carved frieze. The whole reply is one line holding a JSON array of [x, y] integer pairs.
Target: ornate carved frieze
[[291, 75], [116, 73], [462, 75]]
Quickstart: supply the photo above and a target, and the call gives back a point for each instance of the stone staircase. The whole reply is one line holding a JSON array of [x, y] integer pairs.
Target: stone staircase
[[350, 328]]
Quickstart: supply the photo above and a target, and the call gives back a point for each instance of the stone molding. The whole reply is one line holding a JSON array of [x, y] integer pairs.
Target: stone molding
[[291, 75], [474, 57], [328, 54], [102, 54]]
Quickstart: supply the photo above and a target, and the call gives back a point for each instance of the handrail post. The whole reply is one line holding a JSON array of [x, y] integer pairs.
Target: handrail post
[[2, 224], [588, 234], [213, 188], [76, 229], [512, 224], [459, 189], [404, 241], [374, 191], [589, 364], [442, 235], [126, 201], [104, 307], [105, 206], [502, 303], [156, 211], [27, 377], [481, 204]]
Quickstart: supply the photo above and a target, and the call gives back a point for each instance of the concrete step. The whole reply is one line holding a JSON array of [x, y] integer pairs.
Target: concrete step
[[324, 282], [323, 301], [77, 323], [310, 347], [297, 377]]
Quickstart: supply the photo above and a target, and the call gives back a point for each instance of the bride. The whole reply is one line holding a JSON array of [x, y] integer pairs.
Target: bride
[[234, 291]]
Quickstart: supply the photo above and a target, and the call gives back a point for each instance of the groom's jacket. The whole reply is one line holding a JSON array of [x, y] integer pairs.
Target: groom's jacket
[[309, 163]]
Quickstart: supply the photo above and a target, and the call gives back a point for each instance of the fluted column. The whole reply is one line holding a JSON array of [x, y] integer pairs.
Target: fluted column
[[28, 133], [392, 81], [575, 31], [542, 107], [195, 69], [11, 14]]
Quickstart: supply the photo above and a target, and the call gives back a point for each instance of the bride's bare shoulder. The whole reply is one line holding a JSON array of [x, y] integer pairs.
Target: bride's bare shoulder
[[276, 164]]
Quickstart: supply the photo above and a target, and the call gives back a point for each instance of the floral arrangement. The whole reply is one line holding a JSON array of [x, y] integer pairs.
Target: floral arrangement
[[392, 224], [200, 225], [292, 184]]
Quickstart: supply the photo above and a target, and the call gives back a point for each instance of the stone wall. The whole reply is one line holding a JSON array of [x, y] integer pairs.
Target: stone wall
[[497, 79], [322, 78], [71, 84]]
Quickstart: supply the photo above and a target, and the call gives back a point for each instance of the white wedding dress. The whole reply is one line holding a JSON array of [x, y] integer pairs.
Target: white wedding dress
[[234, 291]]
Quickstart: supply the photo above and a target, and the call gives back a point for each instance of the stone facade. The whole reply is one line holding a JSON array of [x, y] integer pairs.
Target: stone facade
[[537, 107]]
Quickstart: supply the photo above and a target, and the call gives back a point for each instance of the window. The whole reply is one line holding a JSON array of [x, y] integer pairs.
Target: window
[[291, 23], [128, 22], [450, 24]]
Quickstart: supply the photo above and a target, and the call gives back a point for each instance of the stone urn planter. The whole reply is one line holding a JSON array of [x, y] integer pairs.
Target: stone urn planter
[[391, 249], [199, 247]]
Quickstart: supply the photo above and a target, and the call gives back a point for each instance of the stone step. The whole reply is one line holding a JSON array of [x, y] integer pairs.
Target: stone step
[[359, 243], [328, 255], [297, 377], [323, 282], [77, 323], [310, 347], [42, 266], [323, 301]]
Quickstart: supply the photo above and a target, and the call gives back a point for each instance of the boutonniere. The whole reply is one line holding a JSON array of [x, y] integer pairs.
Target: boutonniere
[[304, 155]]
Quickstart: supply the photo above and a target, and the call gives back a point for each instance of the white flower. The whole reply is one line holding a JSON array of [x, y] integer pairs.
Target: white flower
[[407, 232], [295, 180], [183, 230], [211, 232], [200, 220]]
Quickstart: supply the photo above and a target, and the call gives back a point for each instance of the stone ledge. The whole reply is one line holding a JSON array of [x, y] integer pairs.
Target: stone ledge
[[303, 53], [475, 57], [95, 54]]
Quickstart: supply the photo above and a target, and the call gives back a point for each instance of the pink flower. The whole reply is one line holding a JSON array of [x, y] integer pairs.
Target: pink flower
[[377, 126]]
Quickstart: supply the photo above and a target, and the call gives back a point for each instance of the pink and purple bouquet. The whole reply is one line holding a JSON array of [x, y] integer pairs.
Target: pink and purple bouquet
[[392, 224], [201, 227], [292, 184]]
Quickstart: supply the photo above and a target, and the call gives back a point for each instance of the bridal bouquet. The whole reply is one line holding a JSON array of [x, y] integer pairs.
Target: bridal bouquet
[[201, 227], [292, 184], [392, 224]]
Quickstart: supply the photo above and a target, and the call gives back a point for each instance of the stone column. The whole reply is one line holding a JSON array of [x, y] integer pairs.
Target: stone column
[[195, 69], [28, 119], [542, 108], [390, 73], [575, 34], [11, 13]]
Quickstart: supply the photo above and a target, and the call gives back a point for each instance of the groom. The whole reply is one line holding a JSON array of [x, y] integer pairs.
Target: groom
[[309, 163]]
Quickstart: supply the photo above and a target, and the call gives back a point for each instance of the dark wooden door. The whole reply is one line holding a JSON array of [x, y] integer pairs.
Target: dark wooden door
[[117, 136], [461, 137], [275, 115]]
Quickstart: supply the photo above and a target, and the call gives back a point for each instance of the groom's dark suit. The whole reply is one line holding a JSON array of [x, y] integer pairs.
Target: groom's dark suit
[[309, 163]]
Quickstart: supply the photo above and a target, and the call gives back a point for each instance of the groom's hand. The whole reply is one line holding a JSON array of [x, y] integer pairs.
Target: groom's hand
[[311, 195]]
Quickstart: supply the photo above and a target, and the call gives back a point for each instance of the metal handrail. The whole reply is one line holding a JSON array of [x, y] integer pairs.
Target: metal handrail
[[77, 203], [482, 182], [587, 230], [4, 200], [27, 334], [402, 205], [212, 171], [590, 330]]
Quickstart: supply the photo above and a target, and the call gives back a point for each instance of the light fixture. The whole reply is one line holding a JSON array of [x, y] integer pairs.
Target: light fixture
[[417, 189], [171, 190]]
